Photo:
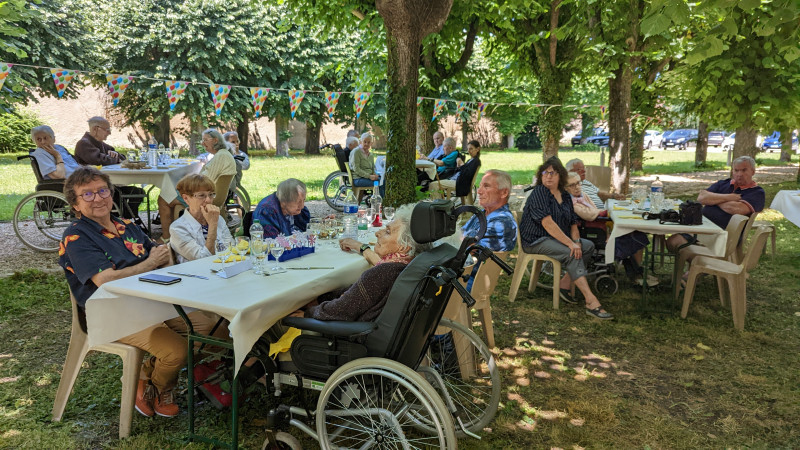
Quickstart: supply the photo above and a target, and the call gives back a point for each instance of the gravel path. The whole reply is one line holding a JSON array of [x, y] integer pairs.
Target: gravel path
[[15, 256]]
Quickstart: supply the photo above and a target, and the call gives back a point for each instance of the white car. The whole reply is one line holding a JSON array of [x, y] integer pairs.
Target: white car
[[727, 143], [651, 138]]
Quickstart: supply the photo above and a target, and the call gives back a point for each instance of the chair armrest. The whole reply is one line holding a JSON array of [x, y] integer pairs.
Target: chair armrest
[[330, 328]]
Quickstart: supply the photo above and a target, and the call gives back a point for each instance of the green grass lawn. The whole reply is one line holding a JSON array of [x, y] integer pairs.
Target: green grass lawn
[[640, 381], [267, 171]]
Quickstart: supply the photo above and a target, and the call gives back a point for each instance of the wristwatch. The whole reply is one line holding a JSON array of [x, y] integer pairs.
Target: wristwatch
[[364, 247]]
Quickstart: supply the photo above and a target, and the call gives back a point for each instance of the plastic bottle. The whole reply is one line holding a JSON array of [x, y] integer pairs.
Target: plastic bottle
[[657, 186], [256, 230], [152, 144], [656, 195], [350, 216], [376, 202]]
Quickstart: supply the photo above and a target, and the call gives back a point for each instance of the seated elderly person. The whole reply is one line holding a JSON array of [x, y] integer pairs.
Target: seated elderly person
[[597, 196], [446, 165], [55, 162], [221, 164], [363, 164], [629, 248], [241, 158], [364, 300], [195, 233], [284, 211], [737, 195], [465, 171], [549, 226], [98, 248]]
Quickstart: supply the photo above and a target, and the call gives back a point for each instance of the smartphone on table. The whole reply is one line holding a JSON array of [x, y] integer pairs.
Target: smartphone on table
[[159, 279]]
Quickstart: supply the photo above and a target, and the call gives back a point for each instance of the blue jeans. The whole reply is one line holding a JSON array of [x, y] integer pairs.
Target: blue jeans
[[366, 182]]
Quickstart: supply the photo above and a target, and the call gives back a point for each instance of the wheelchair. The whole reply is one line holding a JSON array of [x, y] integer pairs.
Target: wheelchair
[[409, 379], [336, 184], [41, 217]]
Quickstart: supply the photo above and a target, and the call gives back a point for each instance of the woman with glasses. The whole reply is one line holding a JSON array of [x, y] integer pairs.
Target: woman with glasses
[[195, 233], [98, 248], [549, 226]]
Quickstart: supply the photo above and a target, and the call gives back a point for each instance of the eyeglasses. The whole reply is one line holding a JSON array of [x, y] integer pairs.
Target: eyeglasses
[[549, 173], [107, 130], [212, 196], [572, 185], [89, 195]]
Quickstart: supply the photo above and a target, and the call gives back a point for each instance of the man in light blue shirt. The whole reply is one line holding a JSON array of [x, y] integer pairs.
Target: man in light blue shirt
[[55, 162], [438, 147]]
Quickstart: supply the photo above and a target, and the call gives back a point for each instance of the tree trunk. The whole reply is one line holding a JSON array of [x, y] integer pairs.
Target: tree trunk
[[281, 145], [637, 148], [465, 129], [195, 130], [554, 87], [407, 23], [701, 150], [243, 130], [786, 144], [619, 112], [745, 143], [312, 137], [587, 126], [161, 133], [428, 126]]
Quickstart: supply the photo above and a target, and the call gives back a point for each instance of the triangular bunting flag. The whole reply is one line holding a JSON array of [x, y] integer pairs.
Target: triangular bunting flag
[[219, 94], [481, 107], [419, 101], [331, 100], [62, 78], [361, 100], [461, 107], [438, 108], [602, 112], [258, 94], [5, 68], [117, 85], [175, 91], [295, 97]]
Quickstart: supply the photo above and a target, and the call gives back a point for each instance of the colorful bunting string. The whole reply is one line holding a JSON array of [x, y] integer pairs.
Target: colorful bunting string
[[361, 100], [219, 94], [295, 97], [117, 85], [331, 100], [419, 101], [438, 108], [175, 91], [5, 68], [62, 78], [258, 95], [461, 107], [481, 107]]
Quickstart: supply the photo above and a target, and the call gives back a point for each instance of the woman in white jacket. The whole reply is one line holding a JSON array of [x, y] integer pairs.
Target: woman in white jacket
[[195, 233]]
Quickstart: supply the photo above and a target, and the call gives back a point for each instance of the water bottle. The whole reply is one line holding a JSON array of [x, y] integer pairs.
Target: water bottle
[[376, 203], [350, 216], [256, 230], [152, 157], [152, 144], [656, 195]]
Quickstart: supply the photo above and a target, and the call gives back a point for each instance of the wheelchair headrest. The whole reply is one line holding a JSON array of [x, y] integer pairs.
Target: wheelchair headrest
[[431, 221]]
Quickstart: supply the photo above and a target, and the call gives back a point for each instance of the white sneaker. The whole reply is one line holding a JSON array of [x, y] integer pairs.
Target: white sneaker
[[651, 280]]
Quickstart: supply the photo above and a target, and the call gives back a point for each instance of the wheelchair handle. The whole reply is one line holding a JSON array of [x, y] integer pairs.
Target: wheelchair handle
[[485, 253], [528, 188], [506, 268], [465, 295], [325, 146]]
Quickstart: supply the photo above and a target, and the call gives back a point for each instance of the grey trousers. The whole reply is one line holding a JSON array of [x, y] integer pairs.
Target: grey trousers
[[576, 268]]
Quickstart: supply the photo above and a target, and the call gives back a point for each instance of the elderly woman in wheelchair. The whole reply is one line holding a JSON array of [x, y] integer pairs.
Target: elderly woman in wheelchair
[[382, 378]]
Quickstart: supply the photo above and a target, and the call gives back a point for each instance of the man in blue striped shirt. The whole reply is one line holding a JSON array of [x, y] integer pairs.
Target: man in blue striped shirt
[[501, 228]]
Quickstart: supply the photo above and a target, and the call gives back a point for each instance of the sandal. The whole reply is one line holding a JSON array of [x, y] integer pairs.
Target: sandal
[[567, 297], [598, 313]]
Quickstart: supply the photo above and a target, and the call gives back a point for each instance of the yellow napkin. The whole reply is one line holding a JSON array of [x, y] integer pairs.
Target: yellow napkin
[[631, 217], [231, 258], [284, 343], [620, 208]]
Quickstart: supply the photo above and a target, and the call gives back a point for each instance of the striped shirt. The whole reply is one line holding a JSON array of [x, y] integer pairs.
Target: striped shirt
[[541, 203], [591, 191]]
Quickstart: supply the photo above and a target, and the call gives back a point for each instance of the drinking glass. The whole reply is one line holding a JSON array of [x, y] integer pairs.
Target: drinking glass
[[339, 227], [133, 156], [370, 215], [222, 247], [258, 250], [388, 212], [315, 226], [276, 250], [242, 246], [143, 154]]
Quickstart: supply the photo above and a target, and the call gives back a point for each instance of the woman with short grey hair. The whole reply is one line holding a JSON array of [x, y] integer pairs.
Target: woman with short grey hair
[[284, 211], [54, 161], [363, 164]]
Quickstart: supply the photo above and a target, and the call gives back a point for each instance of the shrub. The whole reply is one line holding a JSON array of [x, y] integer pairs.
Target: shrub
[[15, 130]]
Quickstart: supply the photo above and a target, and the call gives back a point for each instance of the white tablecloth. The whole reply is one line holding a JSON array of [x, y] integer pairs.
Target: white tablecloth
[[165, 179], [252, 303], [709, 233], [788, 203], [428, 166]]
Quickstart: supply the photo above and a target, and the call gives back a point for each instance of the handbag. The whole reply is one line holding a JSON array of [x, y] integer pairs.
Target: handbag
[[691, 213]]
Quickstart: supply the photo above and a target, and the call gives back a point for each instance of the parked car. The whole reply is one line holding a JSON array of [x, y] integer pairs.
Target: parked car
[[773, 142], [716, 138], [652, 137], [576, 140], [681, 138], [664, 136], [727, 143], [599, 139]]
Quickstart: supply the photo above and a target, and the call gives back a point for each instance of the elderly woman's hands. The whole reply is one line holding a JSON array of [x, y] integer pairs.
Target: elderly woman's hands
[[350, 245], [159, 256], [575, 250]]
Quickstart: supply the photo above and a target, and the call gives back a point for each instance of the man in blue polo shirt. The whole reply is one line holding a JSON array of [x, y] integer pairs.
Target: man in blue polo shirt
[[723, 199]]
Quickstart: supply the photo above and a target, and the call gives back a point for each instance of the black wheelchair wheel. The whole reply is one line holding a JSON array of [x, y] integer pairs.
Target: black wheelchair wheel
[[606, 285], [40, 220], [334, 188]]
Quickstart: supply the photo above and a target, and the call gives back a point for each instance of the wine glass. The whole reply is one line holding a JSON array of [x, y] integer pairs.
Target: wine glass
[[315, 226], [370, 215], [388, 212], [242, 246], [276, 250], [258, 250], [221, 249]]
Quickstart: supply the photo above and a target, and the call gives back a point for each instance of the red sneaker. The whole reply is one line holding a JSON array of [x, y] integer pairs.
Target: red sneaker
[[145, 394], [211, 389], [164, 404]]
